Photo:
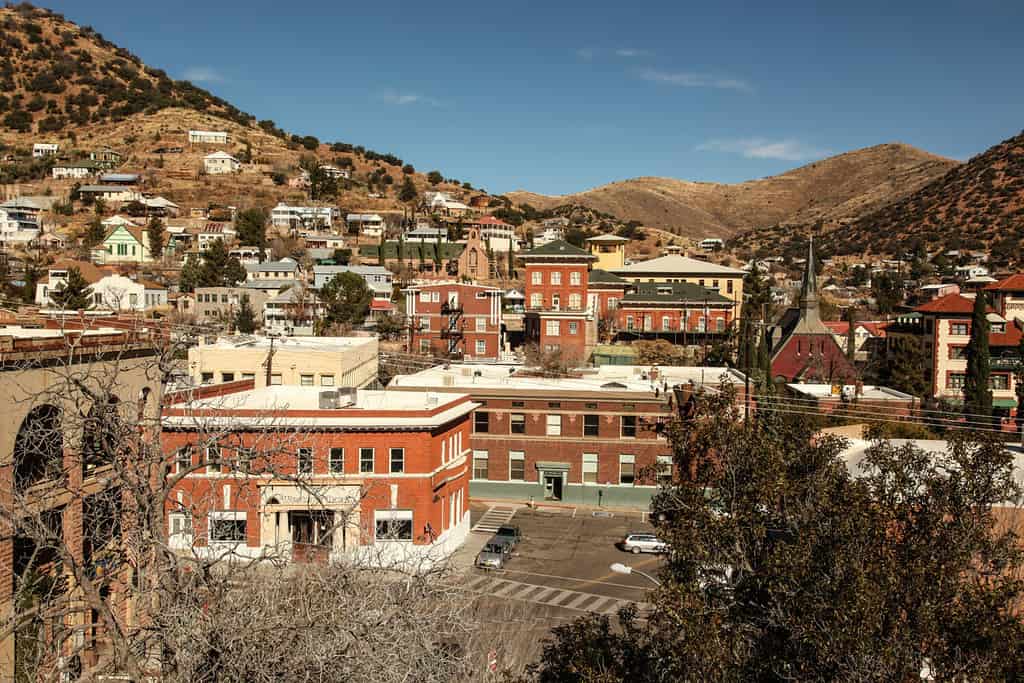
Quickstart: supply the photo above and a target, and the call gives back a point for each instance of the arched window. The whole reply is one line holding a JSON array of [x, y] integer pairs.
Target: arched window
[[39, 447]]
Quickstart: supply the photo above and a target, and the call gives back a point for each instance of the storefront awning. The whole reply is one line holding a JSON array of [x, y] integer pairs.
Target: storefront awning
[[552, 466]]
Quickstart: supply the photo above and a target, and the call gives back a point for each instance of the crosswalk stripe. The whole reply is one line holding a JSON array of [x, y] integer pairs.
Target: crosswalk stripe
[[509, 586], [614, 607], [580, 600], [478, 582]]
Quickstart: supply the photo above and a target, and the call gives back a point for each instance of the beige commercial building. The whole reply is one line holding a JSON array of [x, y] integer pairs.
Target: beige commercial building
[[301, 361]]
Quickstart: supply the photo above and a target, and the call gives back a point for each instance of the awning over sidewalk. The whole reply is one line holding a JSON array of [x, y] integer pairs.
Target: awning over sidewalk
[[552, 466]]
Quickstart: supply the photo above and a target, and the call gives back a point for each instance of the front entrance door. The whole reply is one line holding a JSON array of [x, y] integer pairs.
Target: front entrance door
[[312, 532], [553, 486]]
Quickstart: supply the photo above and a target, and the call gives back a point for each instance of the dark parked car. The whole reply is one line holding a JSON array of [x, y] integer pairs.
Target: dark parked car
[[509, 534]]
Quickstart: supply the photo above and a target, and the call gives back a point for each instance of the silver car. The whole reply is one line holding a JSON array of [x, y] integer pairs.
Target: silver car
[[642, 542], [491, 556]]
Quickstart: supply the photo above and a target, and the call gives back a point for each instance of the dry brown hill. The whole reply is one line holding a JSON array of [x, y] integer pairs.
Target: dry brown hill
[[977, 205], [831, 190], [64, 83]]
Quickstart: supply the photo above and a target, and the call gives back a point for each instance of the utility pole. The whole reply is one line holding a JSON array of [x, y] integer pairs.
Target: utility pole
[[269, 362]]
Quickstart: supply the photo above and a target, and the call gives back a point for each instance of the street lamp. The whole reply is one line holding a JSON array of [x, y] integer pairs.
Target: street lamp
[[620, 568]]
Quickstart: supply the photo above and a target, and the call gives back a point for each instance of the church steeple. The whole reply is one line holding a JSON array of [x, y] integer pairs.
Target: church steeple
[[810, 319]]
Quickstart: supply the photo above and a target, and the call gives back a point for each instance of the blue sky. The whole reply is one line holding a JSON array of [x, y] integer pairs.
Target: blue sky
[[556, 97]]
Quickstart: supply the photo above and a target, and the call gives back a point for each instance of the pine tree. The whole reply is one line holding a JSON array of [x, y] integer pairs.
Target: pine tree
[[219, 268], [155, 232], [408, 194], [755, 298], [245, 317], [74, 294], [191, 274], [251, 227], [977, 395]]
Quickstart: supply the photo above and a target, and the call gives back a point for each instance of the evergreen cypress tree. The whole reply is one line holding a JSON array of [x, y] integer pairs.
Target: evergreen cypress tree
[[755, 297], [74, 294], [977, 395], [245, 317], [155, 233]]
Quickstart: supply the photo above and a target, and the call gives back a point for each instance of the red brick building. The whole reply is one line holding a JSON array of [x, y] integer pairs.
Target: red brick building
[[595, 438], [557, 314], [673, 310], [299, 473], [454, 319]]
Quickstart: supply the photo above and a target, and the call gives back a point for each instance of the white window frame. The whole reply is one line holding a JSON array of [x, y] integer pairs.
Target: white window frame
[[574, 278], [391, 461], [233, 515], [307, 380], [664, 468], [481, 324], [516, 456], [537, 277], [184, 536], [589, 462], [556, 277], [552, 328], [627, 459], [481, 347], [301, 462], [393, 516], [327, 380], [485, 457], [373, 459], [553, 425]]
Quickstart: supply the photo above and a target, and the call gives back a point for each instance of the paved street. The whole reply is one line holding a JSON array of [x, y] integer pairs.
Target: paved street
[[563, 561]]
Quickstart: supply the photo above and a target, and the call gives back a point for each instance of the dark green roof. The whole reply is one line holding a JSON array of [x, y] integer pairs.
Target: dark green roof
[[669, 292], [559, 248], [413, 250], [598, 276]]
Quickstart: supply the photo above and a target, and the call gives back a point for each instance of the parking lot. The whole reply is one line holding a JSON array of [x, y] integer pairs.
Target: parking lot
[[563, 561]]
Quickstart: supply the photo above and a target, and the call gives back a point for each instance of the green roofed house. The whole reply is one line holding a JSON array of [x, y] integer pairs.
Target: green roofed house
[[423, 257]]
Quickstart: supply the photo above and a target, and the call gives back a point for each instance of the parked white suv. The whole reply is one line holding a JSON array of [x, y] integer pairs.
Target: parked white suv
[[642, 542]]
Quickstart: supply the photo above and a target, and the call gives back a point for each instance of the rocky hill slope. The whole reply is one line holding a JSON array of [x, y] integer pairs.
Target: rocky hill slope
[[977, 205], [831, 191]]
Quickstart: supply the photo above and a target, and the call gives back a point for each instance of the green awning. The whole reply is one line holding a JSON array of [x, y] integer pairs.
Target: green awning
[[1004, 403]]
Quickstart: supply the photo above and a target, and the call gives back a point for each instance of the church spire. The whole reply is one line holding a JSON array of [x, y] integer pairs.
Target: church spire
[[809, 290]]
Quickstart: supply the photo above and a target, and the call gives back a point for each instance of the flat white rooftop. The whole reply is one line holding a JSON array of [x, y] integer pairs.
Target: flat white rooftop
[[46, 333], [868, 391], [633, 378], [241, 342], [273, 404]]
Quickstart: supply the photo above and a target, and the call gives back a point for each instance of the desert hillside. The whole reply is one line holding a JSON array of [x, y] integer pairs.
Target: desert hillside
[[832, 190]]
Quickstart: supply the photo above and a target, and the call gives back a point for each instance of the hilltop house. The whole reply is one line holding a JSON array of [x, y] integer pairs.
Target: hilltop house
[[76, 170], [292, 312], [367, 224], [109, 290], [286, 216], [44, 149], [124, 243], [125, 179], [108, 193], [221, 163], [212, 231], [106, 157], [207, 137]]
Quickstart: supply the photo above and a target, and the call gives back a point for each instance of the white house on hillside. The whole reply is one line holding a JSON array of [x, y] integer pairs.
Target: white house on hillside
[[207, 137], [44, 149], [221, 163], [109, 291]]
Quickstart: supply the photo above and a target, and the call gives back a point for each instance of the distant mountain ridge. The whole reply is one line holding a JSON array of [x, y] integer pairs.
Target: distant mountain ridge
[[833, 190]]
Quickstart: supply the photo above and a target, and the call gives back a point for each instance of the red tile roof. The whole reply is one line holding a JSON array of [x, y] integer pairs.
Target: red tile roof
[[1011, 337], [1014, 283], [490, 220], [951, 303], [876, 328]]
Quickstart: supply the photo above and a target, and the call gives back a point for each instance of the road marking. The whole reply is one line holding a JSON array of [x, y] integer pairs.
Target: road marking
[[554, 597], [495, 517]]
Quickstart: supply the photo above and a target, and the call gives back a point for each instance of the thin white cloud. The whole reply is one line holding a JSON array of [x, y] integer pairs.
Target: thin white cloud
[[586, 53], [691, 79], [407, 98], [202, 74], [631, 52], [763, 148]]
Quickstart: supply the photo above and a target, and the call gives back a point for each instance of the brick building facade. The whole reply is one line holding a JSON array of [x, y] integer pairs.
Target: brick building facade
[[557, 313], [595, 438], [303, 474], [454, 319]]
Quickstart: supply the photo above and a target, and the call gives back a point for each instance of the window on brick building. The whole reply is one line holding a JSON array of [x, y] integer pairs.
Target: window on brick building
[[393, 525], [573, 327], [481, 324], [537, 277], [554, 425], [575, 278], [666, 323], [591, 425], [425, 297], [590, 468], [627, 469], [183, 459], [536, 300], [397, 460], [629, 426], [213, 459], [556, 277], [366, 460], [480, 464], [999, 382], [227, 526], [424, 346], [728, 286], [959, 329], [720, 324], [629, 323], [245, 457], [304, 457], [516, 466], [551, 328], [306, 380], [518, 423], [575, 302], [481, 347], [481, 422], [336, 460], [957, 352], [955, 380], [556, 302], [180, 528], [664, 469]]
